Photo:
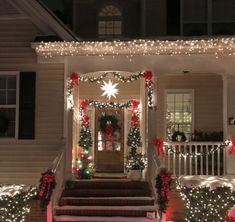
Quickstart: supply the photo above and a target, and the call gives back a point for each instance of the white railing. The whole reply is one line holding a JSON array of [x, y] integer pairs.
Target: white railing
[[58, 169], [195, 158], [154, 165]]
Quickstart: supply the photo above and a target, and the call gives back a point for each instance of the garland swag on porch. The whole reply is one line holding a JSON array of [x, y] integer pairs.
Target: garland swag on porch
[[75, 78]]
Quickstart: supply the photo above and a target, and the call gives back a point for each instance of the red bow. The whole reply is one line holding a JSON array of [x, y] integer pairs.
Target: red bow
[[47, 181], [84, 104], [73, 80], [148, 75], [135, 105], [232, 147], [135, 120], [86, 120], [159, 145]]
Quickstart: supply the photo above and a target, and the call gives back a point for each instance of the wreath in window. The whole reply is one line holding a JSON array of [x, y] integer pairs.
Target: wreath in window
[[108, 124], [178, 137], [4, 124]]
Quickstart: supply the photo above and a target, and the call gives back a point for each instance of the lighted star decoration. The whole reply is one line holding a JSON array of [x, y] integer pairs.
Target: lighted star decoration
[[109, 89]]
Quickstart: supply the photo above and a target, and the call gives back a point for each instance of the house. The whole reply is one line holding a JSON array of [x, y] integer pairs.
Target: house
[[191, 89]]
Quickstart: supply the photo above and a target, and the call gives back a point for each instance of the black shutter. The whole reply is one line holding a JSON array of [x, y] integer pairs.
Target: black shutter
[[27, 105]]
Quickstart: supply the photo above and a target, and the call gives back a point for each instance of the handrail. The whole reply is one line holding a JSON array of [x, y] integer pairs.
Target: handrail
[[57, 167]]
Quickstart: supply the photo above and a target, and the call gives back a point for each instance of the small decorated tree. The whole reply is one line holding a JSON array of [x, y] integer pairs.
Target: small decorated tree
[[134, 137], [84, 162]]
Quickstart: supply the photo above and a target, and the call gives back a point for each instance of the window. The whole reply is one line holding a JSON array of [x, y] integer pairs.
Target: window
[[8, 104], [110, 21], [179, 112]]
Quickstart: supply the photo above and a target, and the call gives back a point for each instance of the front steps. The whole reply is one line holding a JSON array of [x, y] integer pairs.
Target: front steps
[[105, 200]]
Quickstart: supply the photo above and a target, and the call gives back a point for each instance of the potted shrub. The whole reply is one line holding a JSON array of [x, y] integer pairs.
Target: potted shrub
[[135, 164]]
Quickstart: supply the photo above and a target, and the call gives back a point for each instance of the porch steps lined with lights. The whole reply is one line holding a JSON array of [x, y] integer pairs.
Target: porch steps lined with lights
[[106, 200], [23, 163]]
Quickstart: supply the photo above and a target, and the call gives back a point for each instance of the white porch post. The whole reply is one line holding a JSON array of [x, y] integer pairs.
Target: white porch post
[[230, 129]]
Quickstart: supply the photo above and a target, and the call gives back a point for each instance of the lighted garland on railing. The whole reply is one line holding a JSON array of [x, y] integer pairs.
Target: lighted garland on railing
[[175, 150], [15, 202], [75, 78]]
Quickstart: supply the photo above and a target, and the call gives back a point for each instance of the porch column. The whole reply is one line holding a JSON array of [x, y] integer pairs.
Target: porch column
[[230, 129]]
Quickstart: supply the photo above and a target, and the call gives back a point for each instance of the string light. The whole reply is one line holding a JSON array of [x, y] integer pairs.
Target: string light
[[205, 204], [215, 46], [175, 149], [14, 202]]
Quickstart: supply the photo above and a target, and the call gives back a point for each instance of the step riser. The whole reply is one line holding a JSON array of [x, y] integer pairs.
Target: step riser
[[111, 202], [102, 213], [107, 185], [106, 193]]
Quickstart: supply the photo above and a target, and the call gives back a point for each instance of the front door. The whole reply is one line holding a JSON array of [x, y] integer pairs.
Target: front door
[[109, 150]]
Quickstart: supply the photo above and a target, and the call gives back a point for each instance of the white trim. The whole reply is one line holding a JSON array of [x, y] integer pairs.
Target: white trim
[[193, 106], [16, 106]]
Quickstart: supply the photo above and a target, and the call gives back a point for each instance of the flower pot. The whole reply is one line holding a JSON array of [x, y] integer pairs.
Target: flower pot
[[135, 175]]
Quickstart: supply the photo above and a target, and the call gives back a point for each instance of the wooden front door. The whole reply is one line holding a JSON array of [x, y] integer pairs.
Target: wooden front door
[[109, 149]]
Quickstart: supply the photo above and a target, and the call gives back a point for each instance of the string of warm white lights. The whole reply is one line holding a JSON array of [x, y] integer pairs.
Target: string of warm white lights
[[14, 202], [216, 46], [175, 149], [206, 204]]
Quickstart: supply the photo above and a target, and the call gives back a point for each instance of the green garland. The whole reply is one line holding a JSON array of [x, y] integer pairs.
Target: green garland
[[177, 134], [106, 119]]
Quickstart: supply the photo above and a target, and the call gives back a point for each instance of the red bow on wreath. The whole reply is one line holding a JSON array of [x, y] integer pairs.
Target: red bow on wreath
[[232, 147], [73, 80], [159, 145]]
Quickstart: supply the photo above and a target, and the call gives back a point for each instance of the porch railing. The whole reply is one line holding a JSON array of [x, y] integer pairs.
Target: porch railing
[[195, 158], [58, 169]]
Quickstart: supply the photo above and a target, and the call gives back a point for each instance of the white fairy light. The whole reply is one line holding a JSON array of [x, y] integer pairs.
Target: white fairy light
[[109, 89], [216, 46]]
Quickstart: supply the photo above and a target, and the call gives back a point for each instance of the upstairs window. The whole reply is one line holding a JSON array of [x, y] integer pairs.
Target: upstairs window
[[109, 22], [8, 104], [179, 113]]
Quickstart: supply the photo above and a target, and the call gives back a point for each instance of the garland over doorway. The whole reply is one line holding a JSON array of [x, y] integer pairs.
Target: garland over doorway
[[76, 78]]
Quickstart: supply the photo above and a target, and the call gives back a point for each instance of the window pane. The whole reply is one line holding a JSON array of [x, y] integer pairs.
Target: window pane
[[179, 114], [9, 115], [2, 97], [3, 83], [11, 97], [11, 83]]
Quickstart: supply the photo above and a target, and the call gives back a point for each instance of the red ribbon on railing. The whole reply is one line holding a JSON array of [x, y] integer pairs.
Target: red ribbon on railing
[[47, 184], [232, 147], [159, 145], [73, 80]]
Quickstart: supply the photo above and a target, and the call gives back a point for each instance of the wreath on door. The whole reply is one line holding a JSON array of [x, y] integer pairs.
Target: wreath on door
[[108, 122], [4, 124]]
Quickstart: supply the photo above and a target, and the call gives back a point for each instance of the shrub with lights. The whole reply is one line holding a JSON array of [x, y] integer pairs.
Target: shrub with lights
[[84, 162], [205, 204], [15, 202]]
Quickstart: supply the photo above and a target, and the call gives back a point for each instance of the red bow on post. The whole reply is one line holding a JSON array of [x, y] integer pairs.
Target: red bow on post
[[232, 147], [148, 75], [159, 145], [135, 105], [135, 120], [73, 80]]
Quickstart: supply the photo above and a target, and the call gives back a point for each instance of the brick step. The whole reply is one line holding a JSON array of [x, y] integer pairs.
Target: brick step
[[109, 201], [123, 211], [107, 184], [105, 192], [100, 219]]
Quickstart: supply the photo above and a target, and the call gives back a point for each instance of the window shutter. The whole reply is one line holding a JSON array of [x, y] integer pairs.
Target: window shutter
[[27, 105]]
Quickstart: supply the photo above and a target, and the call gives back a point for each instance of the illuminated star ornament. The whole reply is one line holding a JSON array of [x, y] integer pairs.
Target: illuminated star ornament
[[109, 89]]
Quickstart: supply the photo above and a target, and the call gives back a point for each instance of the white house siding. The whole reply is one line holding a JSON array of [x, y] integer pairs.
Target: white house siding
[[22, 161], [208, 94]]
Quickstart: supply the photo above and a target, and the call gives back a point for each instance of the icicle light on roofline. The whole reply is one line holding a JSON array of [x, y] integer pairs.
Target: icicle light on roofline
[[216, 46]]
